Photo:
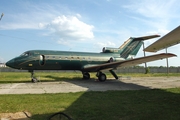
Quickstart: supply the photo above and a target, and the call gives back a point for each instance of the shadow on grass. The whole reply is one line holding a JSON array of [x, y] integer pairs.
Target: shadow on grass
[[123, 105], [14, 81], [47, 78], [112, 105], [54, 78]]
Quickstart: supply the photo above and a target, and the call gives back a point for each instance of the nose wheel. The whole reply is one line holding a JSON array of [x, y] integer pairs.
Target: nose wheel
[[33, 79]]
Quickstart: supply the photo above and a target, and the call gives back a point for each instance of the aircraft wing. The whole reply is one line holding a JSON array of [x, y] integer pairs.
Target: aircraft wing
[[170, 39], [125, 63]]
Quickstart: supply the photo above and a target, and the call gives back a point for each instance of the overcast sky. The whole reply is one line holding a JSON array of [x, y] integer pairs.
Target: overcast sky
[[84, 25]]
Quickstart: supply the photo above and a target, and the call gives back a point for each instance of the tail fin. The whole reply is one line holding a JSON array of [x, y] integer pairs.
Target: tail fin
[[131, 47]]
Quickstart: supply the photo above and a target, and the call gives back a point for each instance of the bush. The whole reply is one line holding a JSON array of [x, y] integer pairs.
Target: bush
[[147, 70]]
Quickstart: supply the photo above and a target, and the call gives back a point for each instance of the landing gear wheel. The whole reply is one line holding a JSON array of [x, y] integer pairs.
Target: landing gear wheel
[[102, 77], [111, 60], [34, 80], [86, 75]]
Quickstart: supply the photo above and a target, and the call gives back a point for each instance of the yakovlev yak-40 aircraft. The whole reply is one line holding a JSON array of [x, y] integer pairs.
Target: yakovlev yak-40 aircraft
[[109, 59]]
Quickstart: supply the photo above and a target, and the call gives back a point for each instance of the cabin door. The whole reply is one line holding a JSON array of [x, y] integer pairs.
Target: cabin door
[[42, 60]]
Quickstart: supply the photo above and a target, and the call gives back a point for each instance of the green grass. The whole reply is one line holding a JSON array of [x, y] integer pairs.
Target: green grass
[[13, 77], [110, 105]]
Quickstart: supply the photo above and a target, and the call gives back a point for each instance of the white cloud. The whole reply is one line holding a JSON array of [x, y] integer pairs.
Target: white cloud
[[106, 44], [153, 8], [159, 32], [63, 42], [78, 15], [29, 17], [69, 28], [158, 15], [1, 60]]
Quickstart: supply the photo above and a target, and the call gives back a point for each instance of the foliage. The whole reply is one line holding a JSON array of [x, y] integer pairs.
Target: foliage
[[147, 70]]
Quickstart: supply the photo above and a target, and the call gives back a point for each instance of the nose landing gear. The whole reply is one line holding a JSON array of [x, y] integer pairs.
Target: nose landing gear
[[33, 79]]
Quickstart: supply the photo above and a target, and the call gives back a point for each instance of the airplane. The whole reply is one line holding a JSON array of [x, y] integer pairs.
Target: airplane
[[86, 62]]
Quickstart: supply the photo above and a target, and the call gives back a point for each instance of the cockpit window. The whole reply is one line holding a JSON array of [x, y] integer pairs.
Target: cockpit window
[[25, 54]]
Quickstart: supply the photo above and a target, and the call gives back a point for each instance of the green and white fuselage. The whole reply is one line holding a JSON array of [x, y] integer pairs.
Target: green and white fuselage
[[61, 60], [108, 59]]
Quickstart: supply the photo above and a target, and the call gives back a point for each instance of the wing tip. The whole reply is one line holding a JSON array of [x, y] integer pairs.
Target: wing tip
[[169, 54]]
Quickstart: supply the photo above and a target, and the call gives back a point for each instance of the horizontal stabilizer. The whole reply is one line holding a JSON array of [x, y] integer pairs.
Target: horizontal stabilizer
[[170, 39], [146, 37]]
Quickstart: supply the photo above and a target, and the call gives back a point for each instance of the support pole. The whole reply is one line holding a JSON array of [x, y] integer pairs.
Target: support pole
[[146, 69], [167, 63], [144, 55]]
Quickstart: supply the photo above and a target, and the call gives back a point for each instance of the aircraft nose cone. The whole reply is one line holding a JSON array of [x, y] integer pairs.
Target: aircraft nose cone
[[10, 63]]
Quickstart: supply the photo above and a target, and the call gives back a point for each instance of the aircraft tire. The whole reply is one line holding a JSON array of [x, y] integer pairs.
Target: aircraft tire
[[34, 80], [86, 75], [102, 77], [111, 60]]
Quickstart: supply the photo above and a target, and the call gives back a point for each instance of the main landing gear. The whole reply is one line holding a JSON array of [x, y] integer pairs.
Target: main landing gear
[[33, 79], [101, 76], [86, 75]]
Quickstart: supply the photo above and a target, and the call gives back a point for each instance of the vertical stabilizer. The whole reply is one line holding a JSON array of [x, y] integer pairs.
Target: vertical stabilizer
[[131, 47]]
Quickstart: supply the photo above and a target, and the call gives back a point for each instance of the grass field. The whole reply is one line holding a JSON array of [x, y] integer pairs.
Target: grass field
[[110, 105], [18, 77], [158, 104]]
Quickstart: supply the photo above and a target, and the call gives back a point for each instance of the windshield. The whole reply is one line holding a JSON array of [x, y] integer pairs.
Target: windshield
[[25, 54]]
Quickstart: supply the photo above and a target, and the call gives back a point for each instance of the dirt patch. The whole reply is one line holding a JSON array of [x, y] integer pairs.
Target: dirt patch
[[15, 116]]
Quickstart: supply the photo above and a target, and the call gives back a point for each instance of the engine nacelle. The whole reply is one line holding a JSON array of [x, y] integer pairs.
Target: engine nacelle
[[110, 50], [112, 59]]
